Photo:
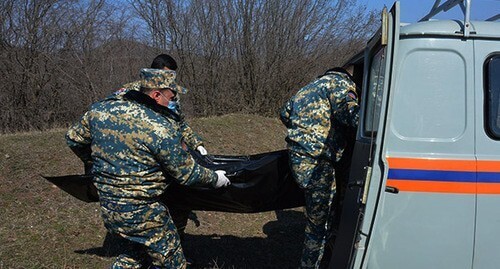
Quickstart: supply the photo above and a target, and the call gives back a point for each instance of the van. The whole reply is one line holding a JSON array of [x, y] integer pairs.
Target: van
[[424, 184]]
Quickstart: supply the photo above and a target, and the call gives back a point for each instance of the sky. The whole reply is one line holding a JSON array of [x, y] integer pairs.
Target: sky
[[414, 10]]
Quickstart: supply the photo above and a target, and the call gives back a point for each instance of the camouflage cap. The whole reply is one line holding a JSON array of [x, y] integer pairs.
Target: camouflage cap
[[160, 79]]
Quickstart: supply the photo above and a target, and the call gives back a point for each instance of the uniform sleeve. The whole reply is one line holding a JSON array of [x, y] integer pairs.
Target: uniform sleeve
[[179, 164], [307, 117], [79, 138], [348, 112], [192, 139]]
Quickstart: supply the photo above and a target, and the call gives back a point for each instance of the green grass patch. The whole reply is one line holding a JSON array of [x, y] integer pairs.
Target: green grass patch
[[43, 227]]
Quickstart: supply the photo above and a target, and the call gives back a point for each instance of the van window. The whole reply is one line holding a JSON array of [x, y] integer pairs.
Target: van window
[[492, 78], [430, 94], [375, 86]]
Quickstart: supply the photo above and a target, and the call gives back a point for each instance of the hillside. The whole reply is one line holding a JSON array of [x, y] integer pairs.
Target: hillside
[[43, 227]]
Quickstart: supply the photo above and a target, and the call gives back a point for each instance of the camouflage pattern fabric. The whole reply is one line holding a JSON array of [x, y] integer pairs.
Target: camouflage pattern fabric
[[160, 79], [134, 85], [136, 152], [145, 225], [316, 118], [190, 137], [318, 203]]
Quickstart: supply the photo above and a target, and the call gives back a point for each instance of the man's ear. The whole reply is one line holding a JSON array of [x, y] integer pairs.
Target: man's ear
[[154, 94]]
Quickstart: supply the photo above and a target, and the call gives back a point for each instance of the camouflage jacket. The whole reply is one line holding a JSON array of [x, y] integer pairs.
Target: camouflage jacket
[[192, 139], [317, 118], [135, 147]]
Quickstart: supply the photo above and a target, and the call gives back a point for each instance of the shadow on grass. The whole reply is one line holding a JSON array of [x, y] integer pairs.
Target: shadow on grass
[[280, 249]]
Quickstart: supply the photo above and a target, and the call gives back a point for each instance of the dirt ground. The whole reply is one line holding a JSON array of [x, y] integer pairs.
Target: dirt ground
[[43, 227]]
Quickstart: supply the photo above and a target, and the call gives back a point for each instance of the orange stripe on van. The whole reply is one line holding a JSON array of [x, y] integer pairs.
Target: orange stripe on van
[[488, 166], [488, 188], [434, 186], [433, 164], [444, 165]]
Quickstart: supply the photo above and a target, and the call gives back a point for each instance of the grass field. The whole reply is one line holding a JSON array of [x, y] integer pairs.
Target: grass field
[[43, 227]]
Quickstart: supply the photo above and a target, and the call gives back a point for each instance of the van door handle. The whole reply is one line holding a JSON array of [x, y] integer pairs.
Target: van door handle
[[391, 189]]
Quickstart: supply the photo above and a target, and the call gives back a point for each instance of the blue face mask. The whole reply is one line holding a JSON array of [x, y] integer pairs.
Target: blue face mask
[[172, 105]]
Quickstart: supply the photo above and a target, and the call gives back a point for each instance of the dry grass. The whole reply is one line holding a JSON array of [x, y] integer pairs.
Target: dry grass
[[42, 227]]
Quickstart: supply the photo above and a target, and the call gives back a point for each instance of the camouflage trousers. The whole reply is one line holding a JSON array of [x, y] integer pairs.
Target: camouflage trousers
[[150, 231], [319, 215]]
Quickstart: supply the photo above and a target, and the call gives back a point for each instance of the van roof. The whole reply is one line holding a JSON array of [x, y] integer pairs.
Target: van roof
[[451, 28]]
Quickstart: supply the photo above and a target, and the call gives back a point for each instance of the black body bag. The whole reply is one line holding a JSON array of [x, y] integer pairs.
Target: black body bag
[[259, 183]]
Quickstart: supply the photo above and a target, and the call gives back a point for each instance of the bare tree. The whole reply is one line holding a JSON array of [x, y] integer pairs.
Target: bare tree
[[248, 55], [51, 62], [58, 56]]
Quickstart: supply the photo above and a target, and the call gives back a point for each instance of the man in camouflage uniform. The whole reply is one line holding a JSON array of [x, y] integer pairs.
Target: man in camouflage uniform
[[134, 144], [316, 118], [190, 139]]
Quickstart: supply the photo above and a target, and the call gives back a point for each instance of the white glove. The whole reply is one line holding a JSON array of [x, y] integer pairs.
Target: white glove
[[202, 150], [222, 180]]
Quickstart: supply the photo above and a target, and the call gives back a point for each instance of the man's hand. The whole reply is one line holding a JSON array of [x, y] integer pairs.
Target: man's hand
[[202, 150], [222, 180]]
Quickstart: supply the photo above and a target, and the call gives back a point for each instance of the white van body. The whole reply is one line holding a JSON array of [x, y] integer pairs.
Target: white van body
[[424, 186]]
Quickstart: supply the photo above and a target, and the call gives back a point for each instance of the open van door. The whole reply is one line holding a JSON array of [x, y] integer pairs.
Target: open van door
[[365, 161]]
